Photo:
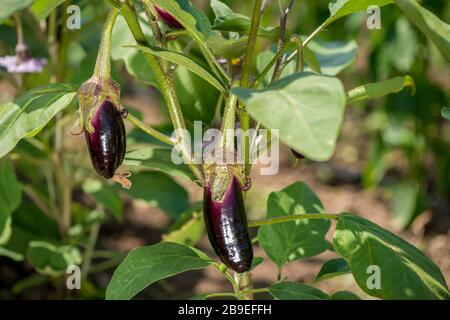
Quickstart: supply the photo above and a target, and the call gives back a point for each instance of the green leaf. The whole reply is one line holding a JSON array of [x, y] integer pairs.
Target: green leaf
[[220, 9], [146, 265], [241, 24], [31, 112], [380, 89], [333, 56], [50, 259], [10, 198], [342, 8], [186, 62], [193, 20], [227, 48], [8, 7], [344, 295], [296, 291], [188, 229], [405, 272], [157, 158], [104, 195], [256, 262], [159, 190], [293, 240], [43, 8], [406, 203], [332, 268], [430, 25], [306, 108], [446, 113]]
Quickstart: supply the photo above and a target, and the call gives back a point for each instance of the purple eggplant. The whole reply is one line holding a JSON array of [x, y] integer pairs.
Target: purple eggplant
[[168, 19], [226, 224], [107, 144]]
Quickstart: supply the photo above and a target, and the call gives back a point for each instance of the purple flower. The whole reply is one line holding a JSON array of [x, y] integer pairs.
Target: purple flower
[[22, 62]]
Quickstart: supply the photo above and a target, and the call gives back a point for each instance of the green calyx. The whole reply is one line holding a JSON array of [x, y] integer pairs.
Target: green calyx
[[100, 86]]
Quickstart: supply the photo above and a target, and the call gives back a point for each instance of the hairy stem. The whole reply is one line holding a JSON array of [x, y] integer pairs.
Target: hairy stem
[[103, 65], [149, 130]]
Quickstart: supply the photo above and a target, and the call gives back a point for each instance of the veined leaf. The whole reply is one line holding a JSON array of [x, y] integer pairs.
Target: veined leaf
[[307, 110], [146, 265], [186, 62], [31, 112]]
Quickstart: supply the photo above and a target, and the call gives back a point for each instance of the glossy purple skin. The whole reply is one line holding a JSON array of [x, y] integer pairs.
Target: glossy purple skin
[[107, 144], [168, 19], [226, 224]]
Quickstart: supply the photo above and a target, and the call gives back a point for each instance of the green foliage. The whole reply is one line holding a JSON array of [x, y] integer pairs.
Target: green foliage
[[332, 268], [308, 114], [298, 239], [380, 89], [43, 8], [11, 6], [146, 265], [296, 291]]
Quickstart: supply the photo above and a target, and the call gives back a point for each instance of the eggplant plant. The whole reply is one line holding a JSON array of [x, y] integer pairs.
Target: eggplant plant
[[223, 69]]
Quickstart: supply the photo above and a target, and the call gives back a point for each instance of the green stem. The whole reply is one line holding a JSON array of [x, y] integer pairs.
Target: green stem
[[103, 65], [228, 125], [220, 294], [165, 84], [213, 64], [272, 62], [244, 117], [245, 286], [308, 40], [149, 130], [295, 217], [87, 259]]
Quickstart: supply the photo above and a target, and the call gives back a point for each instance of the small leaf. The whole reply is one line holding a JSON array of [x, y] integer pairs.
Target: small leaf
[[241, 24], [31, 112], [157, 158], [220, 9], [8, 7], [307, 110], [159, 190], [43, 8], [342, 8], [146, 265], [430, 25], [332, 268], [186, 62], [404, 271], [104, 195], [10, 198], [296, 291], [256, 262], [406, 203], [52, 260], [344, 295], [227, 48], [293, 240], [380, 89], [446, 113]]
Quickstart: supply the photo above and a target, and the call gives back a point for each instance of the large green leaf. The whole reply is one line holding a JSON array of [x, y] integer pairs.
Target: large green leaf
[[43, 8], [380, 89], [333, 268], [294, 240], [146, 265], [31, 112], [307, 110], [342, 8], [193, 20], [405, 272], [50, 259], [10, 198], [186, 62], [8, 7], [105, 195], [430, 25], [157, 158], [296, 291], [159, 190]]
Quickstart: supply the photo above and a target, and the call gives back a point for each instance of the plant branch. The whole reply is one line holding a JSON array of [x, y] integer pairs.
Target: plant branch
[[149, 130], [282, 219], [103, 64]]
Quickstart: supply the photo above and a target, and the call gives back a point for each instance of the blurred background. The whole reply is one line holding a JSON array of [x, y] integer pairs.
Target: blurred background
[[391, 165]]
